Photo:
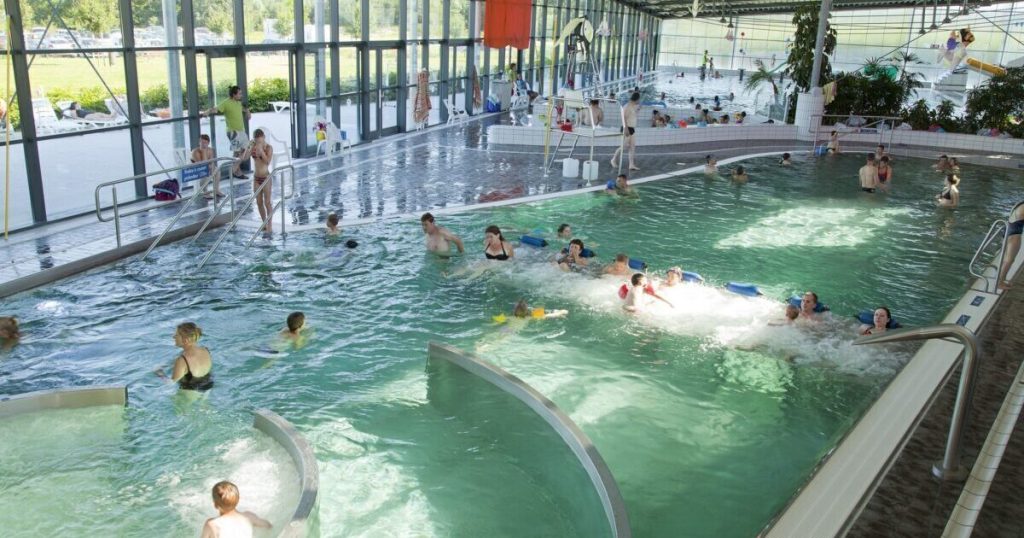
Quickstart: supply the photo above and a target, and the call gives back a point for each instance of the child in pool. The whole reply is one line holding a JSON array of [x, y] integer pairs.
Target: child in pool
[[293, 333], [523, 311], [332, 225], [230, 522], [9, 332]]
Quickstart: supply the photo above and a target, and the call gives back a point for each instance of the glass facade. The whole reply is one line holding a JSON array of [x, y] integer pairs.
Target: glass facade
[[862, 34], [113, 88]]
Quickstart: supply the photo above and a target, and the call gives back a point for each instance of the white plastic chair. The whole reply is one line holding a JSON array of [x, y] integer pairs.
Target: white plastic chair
[[47, 120], [337, 140], [455, 114]]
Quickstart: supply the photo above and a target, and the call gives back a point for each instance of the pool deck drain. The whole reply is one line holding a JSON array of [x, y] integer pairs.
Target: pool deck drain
[[910, 503]]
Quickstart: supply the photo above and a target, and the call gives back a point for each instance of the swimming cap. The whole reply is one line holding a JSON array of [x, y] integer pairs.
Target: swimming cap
[[351, 243]]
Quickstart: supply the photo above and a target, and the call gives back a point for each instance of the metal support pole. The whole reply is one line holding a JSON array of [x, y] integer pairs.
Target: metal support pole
[[23, 89], [949, 468], [819, 42]]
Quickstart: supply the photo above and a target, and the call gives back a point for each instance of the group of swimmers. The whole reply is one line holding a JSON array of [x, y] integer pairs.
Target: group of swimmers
[[877, 175]]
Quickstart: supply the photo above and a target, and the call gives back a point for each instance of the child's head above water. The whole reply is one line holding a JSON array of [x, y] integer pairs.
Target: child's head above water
[[792, 312], [332, 220], [296, 321], [521, 310]]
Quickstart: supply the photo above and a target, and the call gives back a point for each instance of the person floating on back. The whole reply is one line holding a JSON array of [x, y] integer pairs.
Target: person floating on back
[[230, 523]]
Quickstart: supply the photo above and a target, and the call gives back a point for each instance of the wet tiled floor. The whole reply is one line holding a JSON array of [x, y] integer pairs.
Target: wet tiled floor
[[436, 168], [911, 503]]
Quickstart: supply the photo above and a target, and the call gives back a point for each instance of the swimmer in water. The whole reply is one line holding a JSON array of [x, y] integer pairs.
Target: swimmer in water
[[564, 231], [882, 318], [572, 259], [523, 311], [635, 300], [193, 367], [868, 175], [673, 277], [9, 332], [808, 303], [495, 246], [332, 225], [833, 143], [950, 196], [1014, 228], [710, 165], [943, 164], [296, 324], [792, 313], [619, 186], [230, 523], [439, 239], [739, 175], [619, 267], [785, 160]]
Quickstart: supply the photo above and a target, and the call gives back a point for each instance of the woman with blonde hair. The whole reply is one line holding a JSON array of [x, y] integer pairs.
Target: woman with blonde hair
[[193, 367]]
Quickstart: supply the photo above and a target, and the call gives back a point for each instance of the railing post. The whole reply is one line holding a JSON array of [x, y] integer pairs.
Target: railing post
[[117, 218], [949, 468]]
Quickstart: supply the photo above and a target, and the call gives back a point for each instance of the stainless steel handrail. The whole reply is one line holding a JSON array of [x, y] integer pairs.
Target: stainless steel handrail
[[188, 203], [116, 207], [994, 231], [279, 204], [248, 203], [593, 128], [950, 467], [878, 120]]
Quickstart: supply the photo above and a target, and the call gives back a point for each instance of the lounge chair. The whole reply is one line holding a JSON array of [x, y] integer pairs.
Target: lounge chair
[[47, 121]]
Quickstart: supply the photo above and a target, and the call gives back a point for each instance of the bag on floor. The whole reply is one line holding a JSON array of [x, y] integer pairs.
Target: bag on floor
[[166, 190]]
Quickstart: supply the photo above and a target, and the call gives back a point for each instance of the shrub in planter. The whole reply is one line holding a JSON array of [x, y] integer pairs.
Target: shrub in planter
[[997, 103]]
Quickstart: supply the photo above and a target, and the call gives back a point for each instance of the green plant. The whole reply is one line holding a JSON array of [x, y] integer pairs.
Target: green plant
[[800, 63], [918, 115], [762, 76], [997, 103], [866, 95], [262, 91], [943, 117]]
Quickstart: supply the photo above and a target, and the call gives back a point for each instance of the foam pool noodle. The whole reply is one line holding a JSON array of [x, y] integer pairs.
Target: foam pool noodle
[[499, 319]]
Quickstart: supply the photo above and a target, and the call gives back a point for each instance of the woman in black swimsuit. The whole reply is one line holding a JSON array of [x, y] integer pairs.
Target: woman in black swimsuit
[[192, 368], [495, 246]]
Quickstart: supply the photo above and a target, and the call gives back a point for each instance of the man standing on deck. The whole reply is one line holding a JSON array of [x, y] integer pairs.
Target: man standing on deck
[[234, 112]]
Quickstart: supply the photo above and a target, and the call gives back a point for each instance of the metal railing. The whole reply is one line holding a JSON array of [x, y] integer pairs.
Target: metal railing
[[949, 468], [649, 77], [116, 206], [878, 123], [278, 172], [995, 231]]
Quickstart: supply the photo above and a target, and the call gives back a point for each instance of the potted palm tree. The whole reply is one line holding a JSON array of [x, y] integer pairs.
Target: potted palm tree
[[764, 77]]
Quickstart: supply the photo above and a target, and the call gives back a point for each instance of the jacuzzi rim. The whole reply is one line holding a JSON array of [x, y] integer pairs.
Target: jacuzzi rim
[[264, 420]]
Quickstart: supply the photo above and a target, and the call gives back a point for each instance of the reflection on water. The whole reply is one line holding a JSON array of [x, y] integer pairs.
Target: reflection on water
[[685, 403]]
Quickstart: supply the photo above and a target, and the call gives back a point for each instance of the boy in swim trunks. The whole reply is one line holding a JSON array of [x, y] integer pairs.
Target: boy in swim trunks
[[262, 155], [869, 175], [635, 300], [205, 153]]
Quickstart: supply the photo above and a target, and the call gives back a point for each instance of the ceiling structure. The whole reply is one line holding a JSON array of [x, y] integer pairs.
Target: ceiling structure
[[678, 9]]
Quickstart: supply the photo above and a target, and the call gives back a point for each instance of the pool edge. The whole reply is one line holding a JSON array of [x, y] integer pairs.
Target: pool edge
[[577, 441], [285, 434], [64, 398]]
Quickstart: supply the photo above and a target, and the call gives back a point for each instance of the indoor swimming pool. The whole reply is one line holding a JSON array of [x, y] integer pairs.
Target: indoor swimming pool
[[709, 417]]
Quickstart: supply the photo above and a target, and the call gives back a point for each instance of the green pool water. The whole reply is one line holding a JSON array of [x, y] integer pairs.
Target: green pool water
[[709, 418]]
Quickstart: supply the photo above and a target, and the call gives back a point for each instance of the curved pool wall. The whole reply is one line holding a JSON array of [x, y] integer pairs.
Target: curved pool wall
[[303, 521], [65, 398], [457, 396]]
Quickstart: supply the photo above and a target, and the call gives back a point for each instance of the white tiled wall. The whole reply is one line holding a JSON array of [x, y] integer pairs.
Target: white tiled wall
[[534, 136]]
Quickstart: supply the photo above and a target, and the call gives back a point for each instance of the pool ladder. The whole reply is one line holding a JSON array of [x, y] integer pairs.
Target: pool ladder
[[279, 172], [996, 231]]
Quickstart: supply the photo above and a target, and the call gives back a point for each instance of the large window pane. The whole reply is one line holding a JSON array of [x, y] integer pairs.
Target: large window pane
[[20, 214], [159, 73], [150, 30], [73, 166], [214, 22], [73, 25], [349, 12], [270, 21], [459, 19], [383, 20], [166, 146], [89, 85]]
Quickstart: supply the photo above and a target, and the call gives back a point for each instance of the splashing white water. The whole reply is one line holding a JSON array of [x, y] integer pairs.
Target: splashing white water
[[814, 227]]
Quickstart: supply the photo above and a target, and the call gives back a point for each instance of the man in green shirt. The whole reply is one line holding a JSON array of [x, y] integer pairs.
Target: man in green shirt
[[234, 112]]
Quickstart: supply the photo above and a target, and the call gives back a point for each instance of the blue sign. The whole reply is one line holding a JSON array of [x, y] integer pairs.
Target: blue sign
[[962, 320], [978, 299], [193, 173]]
